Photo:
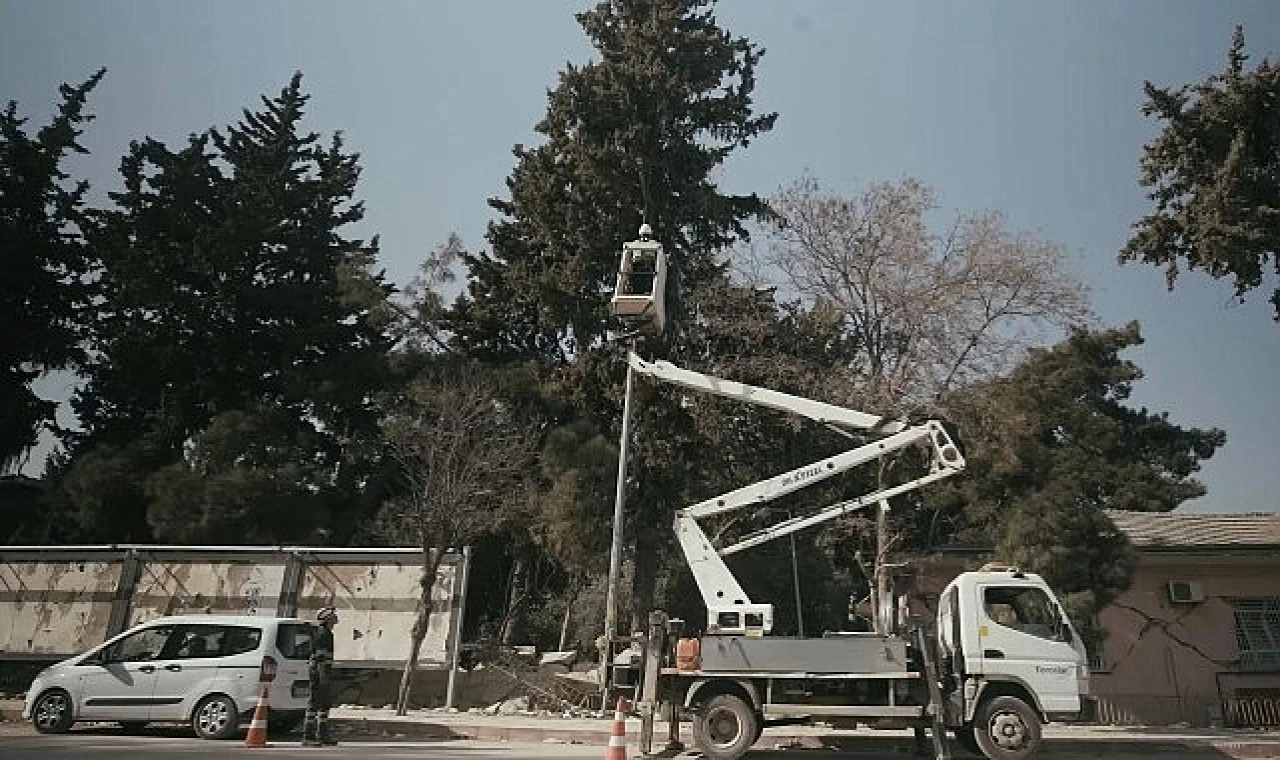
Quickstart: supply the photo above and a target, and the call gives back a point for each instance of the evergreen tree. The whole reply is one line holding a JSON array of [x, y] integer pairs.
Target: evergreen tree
[[239, 351], [1053, 445], [45, 290], [633, 136], [1214, 174]]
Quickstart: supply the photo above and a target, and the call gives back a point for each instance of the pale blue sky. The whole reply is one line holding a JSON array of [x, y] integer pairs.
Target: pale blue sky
[[1029, 107]]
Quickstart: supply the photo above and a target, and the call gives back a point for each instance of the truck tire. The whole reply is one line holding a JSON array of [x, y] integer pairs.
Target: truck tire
[[725, 728], [1006, 728]]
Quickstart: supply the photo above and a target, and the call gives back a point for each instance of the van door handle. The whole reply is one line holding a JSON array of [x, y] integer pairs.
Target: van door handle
[[147, 669], [173, 667], [994, 654]]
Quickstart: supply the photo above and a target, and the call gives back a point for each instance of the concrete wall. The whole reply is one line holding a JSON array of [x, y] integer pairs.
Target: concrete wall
[[186, 586], [1167, 662], [55, 606], [59, 601], [376, 605]]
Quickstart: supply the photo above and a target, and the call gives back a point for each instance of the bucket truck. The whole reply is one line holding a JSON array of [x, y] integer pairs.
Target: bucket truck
[[999, 659]]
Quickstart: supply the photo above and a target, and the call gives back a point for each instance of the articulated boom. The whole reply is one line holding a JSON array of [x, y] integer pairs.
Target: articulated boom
[[729, 610]]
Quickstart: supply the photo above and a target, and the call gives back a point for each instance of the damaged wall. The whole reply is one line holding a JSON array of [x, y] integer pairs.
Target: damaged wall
[[59, 601]]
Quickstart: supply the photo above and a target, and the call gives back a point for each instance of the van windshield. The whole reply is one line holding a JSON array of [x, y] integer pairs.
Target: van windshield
[[294, 640]]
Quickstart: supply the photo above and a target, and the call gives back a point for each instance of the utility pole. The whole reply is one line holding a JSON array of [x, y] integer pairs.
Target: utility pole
[[615, 549], [643, 310]]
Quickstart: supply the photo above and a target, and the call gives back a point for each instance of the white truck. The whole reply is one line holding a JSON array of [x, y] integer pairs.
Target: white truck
[[1000, 659]]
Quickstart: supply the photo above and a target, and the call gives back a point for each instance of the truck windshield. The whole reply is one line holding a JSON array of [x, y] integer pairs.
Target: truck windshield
[[1023, 609]]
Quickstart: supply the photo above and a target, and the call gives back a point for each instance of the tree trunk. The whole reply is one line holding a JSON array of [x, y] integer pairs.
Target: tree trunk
[[568, 613], [430, 568], [513, 620], [880, 587]]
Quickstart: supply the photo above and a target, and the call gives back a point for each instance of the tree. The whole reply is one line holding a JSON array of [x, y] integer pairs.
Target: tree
[[1053, 445], [46, 290], [464, 461], [633, 136], [926, 313], [239, 344], [1214, 174]]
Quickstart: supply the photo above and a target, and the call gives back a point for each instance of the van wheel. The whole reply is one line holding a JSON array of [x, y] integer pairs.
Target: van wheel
[[725, 728], [1006, 728], [52, 712], [215, 717]]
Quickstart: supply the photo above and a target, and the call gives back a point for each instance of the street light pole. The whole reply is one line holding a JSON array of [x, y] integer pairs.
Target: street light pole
[[615, 549]]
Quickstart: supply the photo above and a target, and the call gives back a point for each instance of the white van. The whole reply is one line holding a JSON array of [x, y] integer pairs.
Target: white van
[[202, 669]]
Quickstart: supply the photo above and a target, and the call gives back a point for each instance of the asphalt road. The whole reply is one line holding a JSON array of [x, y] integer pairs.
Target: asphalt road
[[20, 742]]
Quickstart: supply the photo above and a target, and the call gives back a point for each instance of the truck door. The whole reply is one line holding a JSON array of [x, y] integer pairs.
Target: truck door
[[1023, 637]]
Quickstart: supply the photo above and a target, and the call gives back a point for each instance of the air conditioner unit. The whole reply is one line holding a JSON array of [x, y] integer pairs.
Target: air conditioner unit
[[1186, 592]]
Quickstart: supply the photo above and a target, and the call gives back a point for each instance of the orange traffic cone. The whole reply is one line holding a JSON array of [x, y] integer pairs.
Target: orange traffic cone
[[257, 736], [618, 733]]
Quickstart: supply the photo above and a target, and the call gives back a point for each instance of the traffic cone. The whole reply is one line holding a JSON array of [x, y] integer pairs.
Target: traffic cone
[[257, 736], [618, 733]]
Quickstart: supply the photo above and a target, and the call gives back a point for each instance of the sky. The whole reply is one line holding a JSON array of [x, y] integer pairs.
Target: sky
[[1032, 108]]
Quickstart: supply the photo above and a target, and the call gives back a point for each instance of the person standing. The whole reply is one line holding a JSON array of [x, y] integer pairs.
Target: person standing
[[315, 725]]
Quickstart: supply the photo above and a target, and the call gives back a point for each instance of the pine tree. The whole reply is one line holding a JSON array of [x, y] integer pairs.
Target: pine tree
[[239, 353], [45, 290], [1214, 174], [634, 136], [1052, 446]]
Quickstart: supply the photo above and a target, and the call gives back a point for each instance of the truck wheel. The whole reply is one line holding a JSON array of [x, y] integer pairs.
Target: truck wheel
[[1007, 729], [725, 728]]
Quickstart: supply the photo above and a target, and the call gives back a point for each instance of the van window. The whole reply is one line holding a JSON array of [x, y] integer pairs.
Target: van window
[[240, 639], [196, 641], [294, 640], [146, 644]]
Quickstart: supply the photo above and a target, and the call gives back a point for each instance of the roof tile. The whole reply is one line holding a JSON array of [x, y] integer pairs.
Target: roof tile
[[1175, 530]]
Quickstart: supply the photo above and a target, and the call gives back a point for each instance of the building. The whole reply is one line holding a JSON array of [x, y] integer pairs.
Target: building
[[1196, 639]]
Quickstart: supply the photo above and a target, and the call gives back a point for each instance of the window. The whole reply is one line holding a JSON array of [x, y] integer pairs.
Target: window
[[144, 645], [1258, 632], [294, 640], [196, 641], [239, 640], [1023, 609]]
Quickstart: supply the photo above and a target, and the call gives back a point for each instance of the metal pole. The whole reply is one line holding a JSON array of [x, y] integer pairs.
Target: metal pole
[[460, 602], [615, 550], [795, 580]]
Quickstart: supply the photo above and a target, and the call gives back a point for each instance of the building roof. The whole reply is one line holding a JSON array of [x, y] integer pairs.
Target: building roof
[[1174, 531]]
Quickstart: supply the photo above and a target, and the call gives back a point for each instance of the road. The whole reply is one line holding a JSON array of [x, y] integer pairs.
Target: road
[[19, 742]]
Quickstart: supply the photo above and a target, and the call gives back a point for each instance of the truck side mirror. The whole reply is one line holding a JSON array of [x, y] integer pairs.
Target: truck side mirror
[[1064, 630]]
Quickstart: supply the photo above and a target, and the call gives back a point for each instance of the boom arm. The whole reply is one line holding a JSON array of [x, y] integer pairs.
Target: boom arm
[[729, 610]]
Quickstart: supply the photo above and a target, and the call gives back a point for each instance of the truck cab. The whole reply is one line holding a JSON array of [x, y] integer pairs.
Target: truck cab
[[1012, 656]]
